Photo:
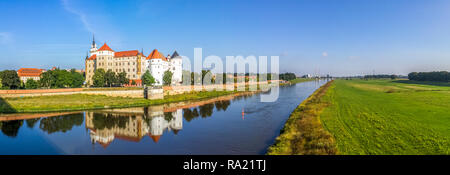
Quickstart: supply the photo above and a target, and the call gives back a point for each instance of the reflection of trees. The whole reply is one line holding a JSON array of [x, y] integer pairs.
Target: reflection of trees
[[31, 122], [237, 98], [61, 123], [206, 110], [11, 128], [168, 116], [102, 121], [222, 105], [189, 114]]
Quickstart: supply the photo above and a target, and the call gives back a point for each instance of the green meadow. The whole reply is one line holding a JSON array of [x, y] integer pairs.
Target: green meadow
[[388, 116]]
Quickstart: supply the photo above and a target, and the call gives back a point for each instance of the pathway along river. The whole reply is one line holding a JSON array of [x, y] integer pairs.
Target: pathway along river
[[241, 125]]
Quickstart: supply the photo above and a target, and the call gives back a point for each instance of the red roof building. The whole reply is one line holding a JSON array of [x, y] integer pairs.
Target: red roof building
[[156, 55], [29, 72]]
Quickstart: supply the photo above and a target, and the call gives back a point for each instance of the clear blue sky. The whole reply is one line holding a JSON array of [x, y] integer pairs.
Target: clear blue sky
[[345, 37]]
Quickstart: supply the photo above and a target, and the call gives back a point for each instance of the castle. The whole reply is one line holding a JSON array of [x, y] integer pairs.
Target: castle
[[134, 63]]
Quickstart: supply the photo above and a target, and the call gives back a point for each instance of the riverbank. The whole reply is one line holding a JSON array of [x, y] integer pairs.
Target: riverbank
[[303, 133], [379, 117], [297, 80], [88, 102]]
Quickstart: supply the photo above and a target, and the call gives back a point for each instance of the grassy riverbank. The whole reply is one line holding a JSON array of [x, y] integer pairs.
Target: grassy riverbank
[[85, 102], [297, 80], [303, 132], [388, 116]]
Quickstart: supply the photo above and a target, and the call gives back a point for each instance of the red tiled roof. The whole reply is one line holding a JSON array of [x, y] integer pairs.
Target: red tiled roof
[[93, 57], [156, 55], [105, 47], [104, 145], [126, 53], [154, 138], [127, 138], [29, 72]]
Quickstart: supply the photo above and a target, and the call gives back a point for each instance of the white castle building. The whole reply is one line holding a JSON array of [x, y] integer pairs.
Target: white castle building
[[134, 63]]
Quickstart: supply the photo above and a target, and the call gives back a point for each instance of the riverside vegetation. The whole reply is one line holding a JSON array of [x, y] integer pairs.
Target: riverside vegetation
[[303, 132]]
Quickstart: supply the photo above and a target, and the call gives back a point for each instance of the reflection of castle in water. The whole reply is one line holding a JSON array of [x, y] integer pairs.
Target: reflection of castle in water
[[131, 124]]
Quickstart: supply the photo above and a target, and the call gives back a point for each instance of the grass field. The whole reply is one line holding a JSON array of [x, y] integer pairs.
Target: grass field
[[83, 102], [388, 116]]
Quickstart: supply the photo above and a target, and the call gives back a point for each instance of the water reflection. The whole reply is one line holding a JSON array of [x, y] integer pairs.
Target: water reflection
[[130, 124], [106, 126], [11, 128]]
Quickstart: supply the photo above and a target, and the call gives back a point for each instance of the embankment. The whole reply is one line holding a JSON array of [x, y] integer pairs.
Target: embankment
[[303, 133]]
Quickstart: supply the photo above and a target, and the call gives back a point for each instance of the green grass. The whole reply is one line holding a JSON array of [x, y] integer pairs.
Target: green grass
[[84, 102], [297, 80], [303, 133], [388, 117]]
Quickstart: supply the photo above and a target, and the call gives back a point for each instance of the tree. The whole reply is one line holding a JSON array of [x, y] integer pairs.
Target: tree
[[47, 79], [62, 78], [77, 79], [31, 84], [208, 75], [122, 78], [148, 79], [99, 78], [133, 82], [10, 79], [167, 78], [110, 78]]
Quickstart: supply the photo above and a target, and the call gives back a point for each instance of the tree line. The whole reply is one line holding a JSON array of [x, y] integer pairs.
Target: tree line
[[50, 79], [199, 78], [102, 78], [380, 76], [442, 76]]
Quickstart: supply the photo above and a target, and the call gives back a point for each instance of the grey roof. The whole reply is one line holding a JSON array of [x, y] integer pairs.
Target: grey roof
[[175, 54]]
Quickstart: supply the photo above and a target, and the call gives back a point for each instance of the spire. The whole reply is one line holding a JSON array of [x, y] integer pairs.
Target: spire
[[142, 51], [93, 40]]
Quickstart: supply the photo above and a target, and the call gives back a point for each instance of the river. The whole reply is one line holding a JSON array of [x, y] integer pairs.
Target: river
[[227, 126]]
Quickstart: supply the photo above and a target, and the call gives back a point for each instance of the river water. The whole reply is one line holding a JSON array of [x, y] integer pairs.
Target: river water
[[242, 125]]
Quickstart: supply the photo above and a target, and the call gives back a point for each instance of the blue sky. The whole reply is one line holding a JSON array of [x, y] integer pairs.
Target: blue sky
[[346, 37]]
